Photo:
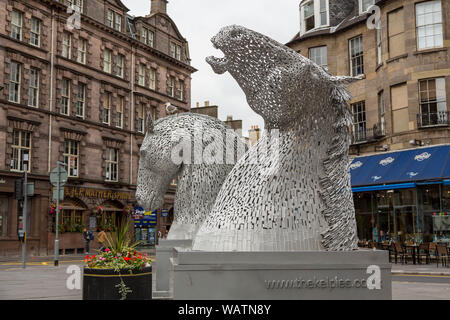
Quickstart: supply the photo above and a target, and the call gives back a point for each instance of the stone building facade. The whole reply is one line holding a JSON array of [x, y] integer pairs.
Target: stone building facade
[[400, 109], [402, 102], [77, 88]]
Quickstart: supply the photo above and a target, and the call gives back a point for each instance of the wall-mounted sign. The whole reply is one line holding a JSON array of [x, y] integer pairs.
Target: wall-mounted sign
[[79, 192], [164, 213]]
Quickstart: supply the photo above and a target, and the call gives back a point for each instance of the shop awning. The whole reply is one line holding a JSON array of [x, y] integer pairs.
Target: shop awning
[[385, 171]]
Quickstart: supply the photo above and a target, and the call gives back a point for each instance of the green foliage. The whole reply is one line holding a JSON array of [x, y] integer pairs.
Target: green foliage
[[120, 240]]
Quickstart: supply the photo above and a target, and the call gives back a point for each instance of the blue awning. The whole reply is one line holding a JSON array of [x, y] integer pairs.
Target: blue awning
[[431, 164]]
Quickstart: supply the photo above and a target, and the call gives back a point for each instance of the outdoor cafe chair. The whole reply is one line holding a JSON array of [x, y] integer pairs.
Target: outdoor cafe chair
[[423, 251], [399, 251], [432, 251], [441, 254]]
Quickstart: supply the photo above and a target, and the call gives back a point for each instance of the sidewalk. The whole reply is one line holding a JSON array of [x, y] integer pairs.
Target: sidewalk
[[420, 269]]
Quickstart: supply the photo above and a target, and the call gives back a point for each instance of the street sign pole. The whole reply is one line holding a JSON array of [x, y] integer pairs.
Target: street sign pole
[[57, 217], [24, 213], [59, 179]]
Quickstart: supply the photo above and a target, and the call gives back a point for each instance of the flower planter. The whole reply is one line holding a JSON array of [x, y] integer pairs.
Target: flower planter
[[101, 284]]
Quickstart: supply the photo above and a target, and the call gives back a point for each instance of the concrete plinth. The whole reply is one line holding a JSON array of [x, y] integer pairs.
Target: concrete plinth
[[163, 268], [281, 275]]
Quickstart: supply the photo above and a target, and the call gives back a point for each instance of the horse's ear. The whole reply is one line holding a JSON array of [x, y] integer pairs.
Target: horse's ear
[[150, 124]]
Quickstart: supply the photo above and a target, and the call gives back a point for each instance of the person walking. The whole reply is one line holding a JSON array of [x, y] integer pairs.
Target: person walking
[[101, 239], [88, 237]]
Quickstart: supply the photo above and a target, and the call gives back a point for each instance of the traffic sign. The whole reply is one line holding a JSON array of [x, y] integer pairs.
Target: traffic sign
[[62, 174], [55, 194]]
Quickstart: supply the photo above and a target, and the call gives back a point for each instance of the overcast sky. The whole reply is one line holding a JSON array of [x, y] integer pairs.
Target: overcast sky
[[199, 20]]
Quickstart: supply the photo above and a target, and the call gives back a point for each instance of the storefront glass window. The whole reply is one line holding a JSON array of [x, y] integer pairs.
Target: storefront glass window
[[364, 215], [429, 205], [441, 221]]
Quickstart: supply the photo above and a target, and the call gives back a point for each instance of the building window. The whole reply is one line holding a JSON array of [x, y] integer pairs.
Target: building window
[[117, 22], [120, 65], [359, 121], [107, 54], [152, 79], [433, 102], [141, 72], [82, 45], [319, 56], [71, 157], [65, 97], [21, 148], [356, 56], [81, 99], [140, 124], [151, 37], [396, 33], [15, 79], [110, 18], [382, 114], [364, 5], [112, 163], [35, 33], [107, 109], [314, 14], [66, 45], [400, 108], [75, 4], [175, 51], [171, 87], [33, 92], [144, 33], [308, 16], [119, 112], [323, 12], [429, 25], [180, 90], [16, 25]]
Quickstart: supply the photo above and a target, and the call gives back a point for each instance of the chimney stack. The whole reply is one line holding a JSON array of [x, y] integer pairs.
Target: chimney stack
[[158, 6]]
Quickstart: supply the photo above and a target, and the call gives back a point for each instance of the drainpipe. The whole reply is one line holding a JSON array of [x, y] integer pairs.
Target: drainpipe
[[52, 66], [132, 112]]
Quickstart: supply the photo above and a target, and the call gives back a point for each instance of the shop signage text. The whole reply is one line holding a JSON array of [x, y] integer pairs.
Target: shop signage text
[[78, 192]]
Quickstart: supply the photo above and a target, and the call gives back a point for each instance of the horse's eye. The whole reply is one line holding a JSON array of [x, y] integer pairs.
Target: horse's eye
[[235, 33]]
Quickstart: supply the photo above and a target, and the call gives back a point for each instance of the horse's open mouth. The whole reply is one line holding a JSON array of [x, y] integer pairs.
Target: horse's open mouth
[[219, 65]]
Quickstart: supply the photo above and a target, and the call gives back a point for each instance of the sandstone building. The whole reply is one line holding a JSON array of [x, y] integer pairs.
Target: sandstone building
[[400, 132], [77, 88]]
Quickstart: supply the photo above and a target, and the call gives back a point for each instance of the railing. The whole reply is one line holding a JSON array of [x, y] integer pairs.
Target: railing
[[362, 135], [433, 119]]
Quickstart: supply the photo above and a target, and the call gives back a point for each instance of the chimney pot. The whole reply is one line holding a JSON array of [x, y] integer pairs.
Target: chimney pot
[[158, 6]]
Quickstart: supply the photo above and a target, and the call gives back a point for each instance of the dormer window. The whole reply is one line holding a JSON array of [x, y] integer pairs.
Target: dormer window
[[364, 5], [114, 20], [314, 14]]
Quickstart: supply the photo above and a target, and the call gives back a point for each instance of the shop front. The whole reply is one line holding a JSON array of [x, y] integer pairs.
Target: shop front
[[87, 207], [403, 196]]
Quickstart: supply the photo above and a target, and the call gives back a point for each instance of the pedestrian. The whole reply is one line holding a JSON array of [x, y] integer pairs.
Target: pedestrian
[[101, 239], [88, 237]]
